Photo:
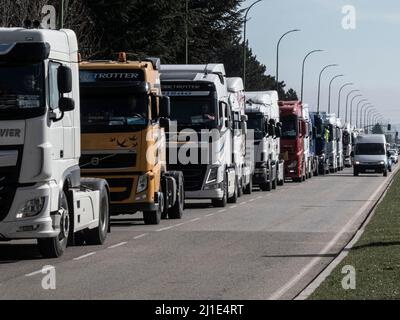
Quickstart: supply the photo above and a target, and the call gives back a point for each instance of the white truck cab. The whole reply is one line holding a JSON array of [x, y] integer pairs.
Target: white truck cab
[[262, 110], [201, 110], [331, 122], [242, 162], [370, 154], [41, 193]]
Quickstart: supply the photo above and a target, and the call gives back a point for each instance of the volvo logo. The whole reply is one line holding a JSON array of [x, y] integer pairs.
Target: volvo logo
[[95, 161]]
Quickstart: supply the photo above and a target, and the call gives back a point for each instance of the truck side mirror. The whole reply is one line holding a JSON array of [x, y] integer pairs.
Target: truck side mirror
[[271, 130], [352, 154], [244, 118], [66, 104], [278, 132], [165, 123], [64, 79], [165, 107], [244, 127], [389, 127], [314, 131]]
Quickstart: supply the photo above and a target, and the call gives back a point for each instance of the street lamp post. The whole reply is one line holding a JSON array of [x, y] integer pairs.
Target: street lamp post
[[347, 103], [367, 109], [62, 14], [319, 82], [303, 70], [245, 40], [361, 114], [351, 107], [277, 55], [340, 93], [358, 108], [330, 90]]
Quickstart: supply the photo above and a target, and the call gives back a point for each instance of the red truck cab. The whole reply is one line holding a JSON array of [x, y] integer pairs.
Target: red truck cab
[[292, 139]]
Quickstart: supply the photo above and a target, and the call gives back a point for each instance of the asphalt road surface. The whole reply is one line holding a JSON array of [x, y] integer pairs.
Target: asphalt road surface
[[270, 245]]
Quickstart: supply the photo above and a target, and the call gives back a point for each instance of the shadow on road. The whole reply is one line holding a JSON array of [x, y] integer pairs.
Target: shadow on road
[[376, 244], [10, 253], [328, 255]]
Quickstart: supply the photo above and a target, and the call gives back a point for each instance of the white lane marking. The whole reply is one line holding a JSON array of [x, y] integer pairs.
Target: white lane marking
[[209, 215], [194, 220], [179, 224], [84, 256], [38, 272], [140, 236], [164, 229], [117, 245], [292, 282], [220, 211], [232, 207], [259, 197], [251, 200], [242, 203]]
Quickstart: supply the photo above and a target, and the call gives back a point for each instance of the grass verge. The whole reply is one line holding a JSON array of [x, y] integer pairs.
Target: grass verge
[[375, 257]]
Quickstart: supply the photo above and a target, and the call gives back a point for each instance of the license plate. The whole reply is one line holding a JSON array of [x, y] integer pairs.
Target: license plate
[[370, 171]]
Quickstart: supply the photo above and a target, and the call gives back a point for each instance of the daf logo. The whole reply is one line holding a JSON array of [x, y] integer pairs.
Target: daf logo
[[95, 161]]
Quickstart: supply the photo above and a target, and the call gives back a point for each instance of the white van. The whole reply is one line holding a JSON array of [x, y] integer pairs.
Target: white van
[[370, 154]]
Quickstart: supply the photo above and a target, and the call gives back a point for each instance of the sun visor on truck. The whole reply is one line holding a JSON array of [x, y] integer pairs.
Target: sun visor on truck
[[24, 52]]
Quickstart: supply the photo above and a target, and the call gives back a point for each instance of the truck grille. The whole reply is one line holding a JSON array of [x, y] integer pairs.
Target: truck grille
[[108, 161], [9, 177], [194, 175]]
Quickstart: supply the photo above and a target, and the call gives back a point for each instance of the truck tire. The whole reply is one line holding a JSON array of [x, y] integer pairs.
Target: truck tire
[[234, 197], [240, 188], [281, 182], [154, 217], [275, 182], [55, 247], [385, 173], [355, 173], [176, 211], [266, 186], [98, 235], [249, 187], [221, 203]]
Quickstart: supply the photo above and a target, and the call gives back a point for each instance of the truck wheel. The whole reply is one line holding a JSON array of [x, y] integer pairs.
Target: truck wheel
[[275, 182], [98, 235], [240, 188], [266, 186], [385, 173], [281, 182], [154, 217], [249, 187], [355, 173], [55, 247], [176, 211], [221, 203], [234, 198]]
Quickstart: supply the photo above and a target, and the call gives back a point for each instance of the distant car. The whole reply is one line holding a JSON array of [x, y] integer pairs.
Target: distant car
[[394, 155], [371, 155]]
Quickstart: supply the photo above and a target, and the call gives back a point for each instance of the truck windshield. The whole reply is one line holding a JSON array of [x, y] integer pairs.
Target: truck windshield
[[22, 90], [194, 112], [370, 149], [103, 111], [257, 123], [289, 127]]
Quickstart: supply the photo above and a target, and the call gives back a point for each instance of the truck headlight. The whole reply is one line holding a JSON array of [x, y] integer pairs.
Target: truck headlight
[[31, 208], [212, 175], [382, 162], [357, 162], [142, 184]]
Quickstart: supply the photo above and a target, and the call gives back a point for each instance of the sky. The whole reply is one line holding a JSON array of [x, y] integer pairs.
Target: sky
[[368, 55]]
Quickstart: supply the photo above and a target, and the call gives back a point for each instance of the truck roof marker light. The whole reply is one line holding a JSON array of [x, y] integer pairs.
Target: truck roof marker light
[[122, 57]]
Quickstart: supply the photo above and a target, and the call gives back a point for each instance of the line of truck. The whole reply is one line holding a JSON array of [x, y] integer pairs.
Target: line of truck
[[81, 141]]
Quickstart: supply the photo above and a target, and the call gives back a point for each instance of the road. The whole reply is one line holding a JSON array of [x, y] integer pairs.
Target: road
[[269, 245]]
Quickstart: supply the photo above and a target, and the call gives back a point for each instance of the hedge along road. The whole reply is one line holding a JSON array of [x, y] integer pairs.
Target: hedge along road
[[270, 245]]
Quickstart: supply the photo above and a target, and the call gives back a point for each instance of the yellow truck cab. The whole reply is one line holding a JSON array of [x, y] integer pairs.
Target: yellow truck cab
[[123, 119]]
